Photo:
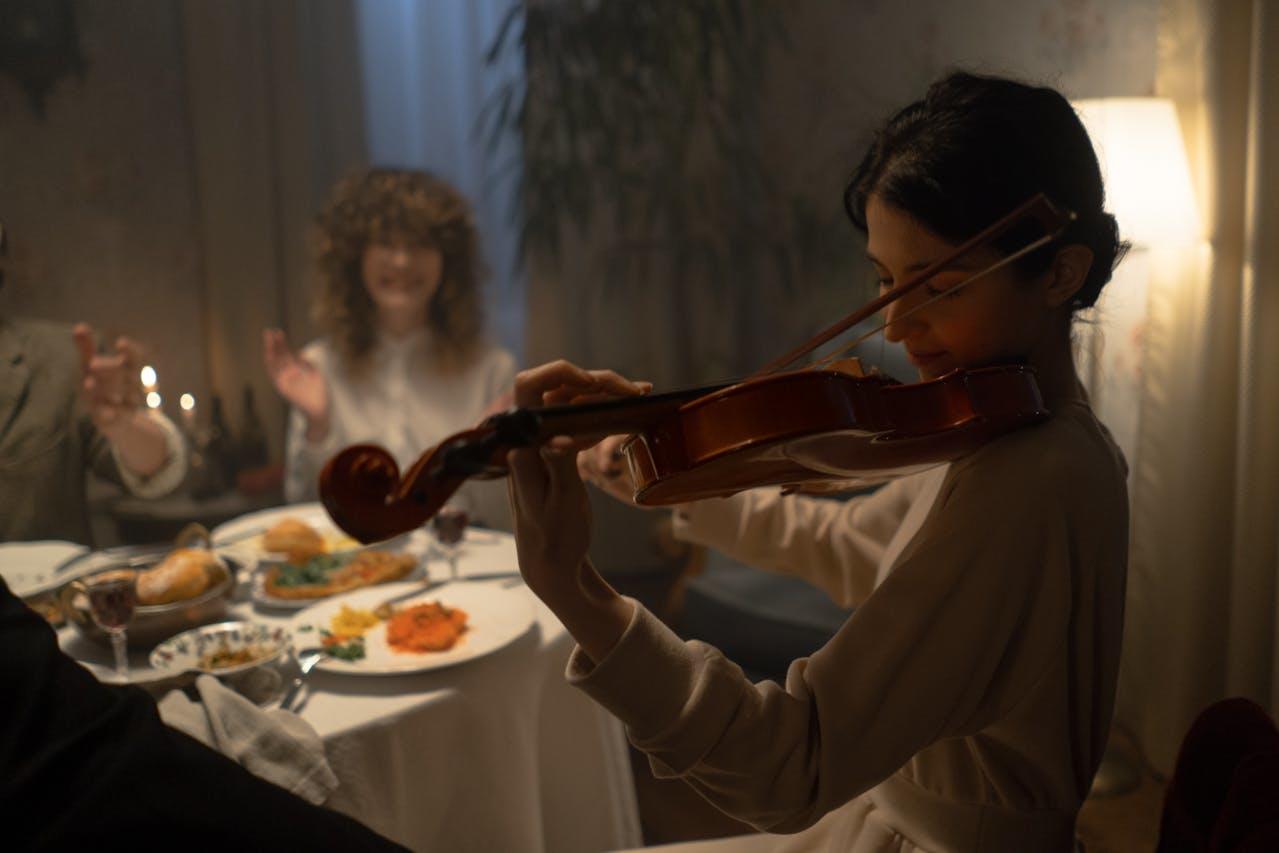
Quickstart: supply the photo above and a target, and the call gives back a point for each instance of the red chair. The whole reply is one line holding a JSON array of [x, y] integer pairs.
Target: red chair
[[1224, 793]]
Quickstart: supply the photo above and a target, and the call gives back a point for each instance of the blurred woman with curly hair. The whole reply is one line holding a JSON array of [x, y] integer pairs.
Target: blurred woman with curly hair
[[403, 361]]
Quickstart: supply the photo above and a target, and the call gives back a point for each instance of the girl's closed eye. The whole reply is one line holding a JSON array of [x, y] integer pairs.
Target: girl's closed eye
[[934, 290], [945, 286]]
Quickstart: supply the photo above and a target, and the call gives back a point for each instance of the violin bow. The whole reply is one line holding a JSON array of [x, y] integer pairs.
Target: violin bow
[[1053, 218]]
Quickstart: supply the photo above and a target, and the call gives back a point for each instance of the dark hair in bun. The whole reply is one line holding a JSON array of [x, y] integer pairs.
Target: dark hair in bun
[[975, 147]]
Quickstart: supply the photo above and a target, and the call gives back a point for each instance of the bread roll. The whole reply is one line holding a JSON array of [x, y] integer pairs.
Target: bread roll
[[296, 539], [184, 574]]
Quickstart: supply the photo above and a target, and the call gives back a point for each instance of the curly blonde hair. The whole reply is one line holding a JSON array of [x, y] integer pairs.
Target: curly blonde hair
[[391, 207]]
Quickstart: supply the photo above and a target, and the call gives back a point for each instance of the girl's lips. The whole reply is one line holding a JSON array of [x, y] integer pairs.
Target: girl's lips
[[397, 285], [920, 358]]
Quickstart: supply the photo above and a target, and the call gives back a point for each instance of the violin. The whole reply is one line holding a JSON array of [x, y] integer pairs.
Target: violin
[[821, 428]]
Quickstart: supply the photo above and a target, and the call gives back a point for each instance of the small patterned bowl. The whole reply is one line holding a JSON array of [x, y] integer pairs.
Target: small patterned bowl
[[196, 650]]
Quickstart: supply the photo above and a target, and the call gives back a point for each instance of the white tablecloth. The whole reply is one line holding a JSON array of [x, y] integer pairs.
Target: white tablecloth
[[495, 754]]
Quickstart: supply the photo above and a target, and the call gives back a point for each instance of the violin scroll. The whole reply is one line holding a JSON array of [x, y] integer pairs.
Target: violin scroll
[[366, 495], [362, 491]]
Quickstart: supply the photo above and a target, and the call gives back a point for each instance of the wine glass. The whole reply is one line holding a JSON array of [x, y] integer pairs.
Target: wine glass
[[448, 528], [112, 597]]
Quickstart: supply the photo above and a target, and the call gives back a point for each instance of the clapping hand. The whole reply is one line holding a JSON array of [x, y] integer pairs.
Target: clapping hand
[[298, 381], [109, 383]]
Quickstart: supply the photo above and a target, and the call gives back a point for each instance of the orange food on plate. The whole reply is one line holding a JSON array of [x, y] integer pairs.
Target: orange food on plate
[[429, 627]]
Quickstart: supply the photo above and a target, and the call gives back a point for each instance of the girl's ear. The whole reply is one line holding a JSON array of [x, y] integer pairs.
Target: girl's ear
[[1067, 274]]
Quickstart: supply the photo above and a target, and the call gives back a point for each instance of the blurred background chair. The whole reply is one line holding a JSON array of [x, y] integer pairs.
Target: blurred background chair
[[1224, 793], [761, 620]]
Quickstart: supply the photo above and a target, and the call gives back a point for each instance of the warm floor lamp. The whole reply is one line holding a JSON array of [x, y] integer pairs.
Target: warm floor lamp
[[1148, 188]]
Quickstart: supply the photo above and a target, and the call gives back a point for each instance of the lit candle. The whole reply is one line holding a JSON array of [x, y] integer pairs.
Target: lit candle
[[148, 378], [187, 403], [153, 400]]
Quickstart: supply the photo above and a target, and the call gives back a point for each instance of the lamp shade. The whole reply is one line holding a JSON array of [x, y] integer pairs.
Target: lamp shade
[[1143, 162]]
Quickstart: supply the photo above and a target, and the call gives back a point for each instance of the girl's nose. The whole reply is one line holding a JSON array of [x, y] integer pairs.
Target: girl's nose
[[900, 326], [400, 258]]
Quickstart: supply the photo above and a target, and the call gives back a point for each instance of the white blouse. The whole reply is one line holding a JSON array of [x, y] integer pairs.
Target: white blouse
[[407, 404]]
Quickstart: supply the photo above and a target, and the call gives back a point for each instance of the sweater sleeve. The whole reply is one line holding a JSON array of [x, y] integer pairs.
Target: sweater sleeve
[[170, 474], [304, 459], [487, 499], [836, 546], [500, 376], [960, 630], [105, 460]]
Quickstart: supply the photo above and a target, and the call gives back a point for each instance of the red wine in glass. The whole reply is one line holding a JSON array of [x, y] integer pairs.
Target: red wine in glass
[[448, 526], [111, 602], [112, 598]]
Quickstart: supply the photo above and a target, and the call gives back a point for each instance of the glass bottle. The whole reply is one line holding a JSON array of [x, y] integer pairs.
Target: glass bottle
[[254, 451], [219, 447]]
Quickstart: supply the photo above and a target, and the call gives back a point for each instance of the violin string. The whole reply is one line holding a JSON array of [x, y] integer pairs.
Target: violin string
[[1000, 264]]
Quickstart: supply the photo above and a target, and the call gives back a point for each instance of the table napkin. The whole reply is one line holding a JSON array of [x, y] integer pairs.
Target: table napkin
[[276, 745]]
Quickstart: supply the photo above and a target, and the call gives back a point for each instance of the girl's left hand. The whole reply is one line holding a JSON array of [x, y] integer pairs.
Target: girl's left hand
[[552, 513]]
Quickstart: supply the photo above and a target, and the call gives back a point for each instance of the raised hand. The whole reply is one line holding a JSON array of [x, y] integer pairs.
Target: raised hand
[[109, 383], [298, 381]]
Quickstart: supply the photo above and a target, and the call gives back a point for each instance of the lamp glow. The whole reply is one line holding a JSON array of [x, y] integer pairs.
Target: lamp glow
[[153, 400], [187, 402], [1143, 162], [148, 377]]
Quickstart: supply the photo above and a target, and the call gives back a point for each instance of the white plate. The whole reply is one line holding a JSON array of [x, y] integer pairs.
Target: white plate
[[27, 567], [260, 596], [496, 615], [250, 548], [139, 676]]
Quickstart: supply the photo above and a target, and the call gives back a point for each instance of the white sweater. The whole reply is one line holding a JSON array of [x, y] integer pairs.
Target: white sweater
[[965, 704]]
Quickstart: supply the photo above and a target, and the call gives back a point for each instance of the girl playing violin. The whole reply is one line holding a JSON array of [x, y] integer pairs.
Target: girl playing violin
[[966, 703]]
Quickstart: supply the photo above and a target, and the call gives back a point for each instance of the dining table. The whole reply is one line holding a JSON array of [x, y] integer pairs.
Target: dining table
[[497, 752]]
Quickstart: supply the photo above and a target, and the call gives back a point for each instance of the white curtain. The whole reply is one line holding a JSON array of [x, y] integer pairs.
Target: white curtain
[[1204, 574], [425, 83], [273, 107]]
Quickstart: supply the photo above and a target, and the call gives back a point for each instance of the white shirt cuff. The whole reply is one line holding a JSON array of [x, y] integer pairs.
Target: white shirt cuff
[[171, 472]]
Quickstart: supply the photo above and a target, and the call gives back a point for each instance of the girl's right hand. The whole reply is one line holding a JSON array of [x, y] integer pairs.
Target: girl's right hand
[[298, 382]]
